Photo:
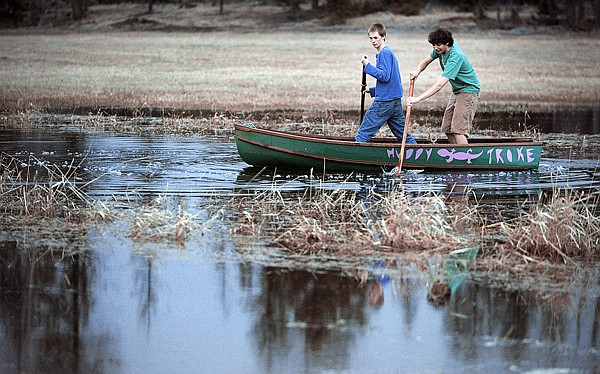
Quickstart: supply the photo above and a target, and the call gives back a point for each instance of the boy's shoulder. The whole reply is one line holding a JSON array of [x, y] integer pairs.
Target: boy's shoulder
[[386, 51], [456, 50]]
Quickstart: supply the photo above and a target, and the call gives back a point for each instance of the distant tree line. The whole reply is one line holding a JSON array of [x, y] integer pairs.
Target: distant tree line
[[575, 14]]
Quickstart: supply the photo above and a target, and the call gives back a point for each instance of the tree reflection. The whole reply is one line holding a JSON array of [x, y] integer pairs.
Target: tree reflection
[[44, 307], [513, 319], [299, 306], [145, 285]]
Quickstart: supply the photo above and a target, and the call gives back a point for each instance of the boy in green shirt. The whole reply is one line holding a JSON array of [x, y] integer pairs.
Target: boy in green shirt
[[456, 69]]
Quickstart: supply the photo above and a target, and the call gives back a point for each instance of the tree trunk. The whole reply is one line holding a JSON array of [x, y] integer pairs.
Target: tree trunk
[[575, 15], [78, 9], [596, 14]]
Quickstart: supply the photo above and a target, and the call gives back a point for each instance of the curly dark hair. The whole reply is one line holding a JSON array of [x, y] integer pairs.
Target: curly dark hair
[[441, 36]]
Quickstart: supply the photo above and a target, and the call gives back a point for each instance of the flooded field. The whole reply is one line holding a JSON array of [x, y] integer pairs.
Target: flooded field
[[224, 303]]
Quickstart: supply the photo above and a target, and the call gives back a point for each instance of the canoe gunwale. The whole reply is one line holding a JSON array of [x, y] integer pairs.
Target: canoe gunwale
[[388, 142]]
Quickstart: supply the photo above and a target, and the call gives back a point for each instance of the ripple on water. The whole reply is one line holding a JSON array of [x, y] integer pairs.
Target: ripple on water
[[121, 166]]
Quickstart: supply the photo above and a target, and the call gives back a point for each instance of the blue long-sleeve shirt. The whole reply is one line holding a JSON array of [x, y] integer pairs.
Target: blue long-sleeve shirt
[[387, 73]]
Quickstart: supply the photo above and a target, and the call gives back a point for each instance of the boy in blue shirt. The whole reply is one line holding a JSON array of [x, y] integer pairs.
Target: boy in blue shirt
[[387, 105], [456, 69]]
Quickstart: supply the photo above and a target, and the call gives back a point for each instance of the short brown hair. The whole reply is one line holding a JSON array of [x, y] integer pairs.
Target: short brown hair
[[379, 28]]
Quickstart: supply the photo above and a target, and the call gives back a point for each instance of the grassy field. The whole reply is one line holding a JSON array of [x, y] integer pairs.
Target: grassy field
[[262, 69]]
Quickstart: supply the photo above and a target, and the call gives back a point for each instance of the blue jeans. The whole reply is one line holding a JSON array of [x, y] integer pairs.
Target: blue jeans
[[379, 113]]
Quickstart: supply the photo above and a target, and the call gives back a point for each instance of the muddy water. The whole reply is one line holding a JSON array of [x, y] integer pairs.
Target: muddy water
[[217, 306]]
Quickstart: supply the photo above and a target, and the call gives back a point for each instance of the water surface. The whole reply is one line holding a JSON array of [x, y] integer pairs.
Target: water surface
[[218, 305]]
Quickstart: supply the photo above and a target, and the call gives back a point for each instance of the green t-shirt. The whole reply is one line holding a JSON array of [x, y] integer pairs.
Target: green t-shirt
[[457, 68]]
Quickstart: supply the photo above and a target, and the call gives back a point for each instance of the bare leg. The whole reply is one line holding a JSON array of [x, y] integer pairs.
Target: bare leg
[[460, 139], [457, 139]]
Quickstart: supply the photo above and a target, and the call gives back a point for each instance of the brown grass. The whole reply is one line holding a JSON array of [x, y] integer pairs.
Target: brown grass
[[155, 222], [45, 191], [279, 69], [55, 204], [564, 228], [429, 230], [425, 223], [339, 222], [46, 208]]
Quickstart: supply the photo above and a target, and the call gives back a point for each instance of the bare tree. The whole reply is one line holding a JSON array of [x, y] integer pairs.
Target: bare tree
[[79, 9], [597, 14], [576, 15]]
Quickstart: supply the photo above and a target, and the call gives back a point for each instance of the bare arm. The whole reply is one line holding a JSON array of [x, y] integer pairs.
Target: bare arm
[[437, 86], [422, 66]]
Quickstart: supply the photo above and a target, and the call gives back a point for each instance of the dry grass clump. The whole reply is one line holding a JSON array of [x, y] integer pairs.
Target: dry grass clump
[[45, 207], [156, 222], [425, 223], [433, 232], [19, 120], [216, 124], [139, 122], [44, 191], [54, 202], [341, 222], [563, 228], [331, 222]]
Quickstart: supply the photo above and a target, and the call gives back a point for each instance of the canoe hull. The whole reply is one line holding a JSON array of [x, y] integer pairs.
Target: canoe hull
[[260, 147]]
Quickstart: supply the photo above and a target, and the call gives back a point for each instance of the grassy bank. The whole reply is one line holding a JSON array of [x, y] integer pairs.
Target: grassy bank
[[263, 69]]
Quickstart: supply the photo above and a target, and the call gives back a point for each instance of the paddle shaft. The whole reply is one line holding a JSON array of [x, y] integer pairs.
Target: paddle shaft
[[411, 92], [362, 96]]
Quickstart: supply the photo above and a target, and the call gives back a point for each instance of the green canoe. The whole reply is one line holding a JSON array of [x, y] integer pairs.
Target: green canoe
[[261, 147]]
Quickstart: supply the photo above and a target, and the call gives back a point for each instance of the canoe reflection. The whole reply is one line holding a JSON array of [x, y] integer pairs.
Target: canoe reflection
[[505, 183]]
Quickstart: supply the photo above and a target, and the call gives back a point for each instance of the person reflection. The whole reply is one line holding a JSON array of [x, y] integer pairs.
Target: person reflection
[[379, 282], [376, 295]]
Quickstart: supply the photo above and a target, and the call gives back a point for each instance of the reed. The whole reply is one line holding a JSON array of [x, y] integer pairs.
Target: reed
[[566, 228], [341, 222], [31, 187], [427, 222], [328, 222], [311, 223], [158, 222], [559, 230], [46, 209]]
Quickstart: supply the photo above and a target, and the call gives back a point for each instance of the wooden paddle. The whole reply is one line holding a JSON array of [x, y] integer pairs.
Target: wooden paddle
[[362, 96], [411, 92]]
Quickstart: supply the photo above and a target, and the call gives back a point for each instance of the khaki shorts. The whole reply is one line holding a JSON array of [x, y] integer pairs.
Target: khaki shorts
[[459, 114]]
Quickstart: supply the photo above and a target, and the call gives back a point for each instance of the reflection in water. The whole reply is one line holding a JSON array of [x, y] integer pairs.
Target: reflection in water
[[147, 295], [321, 310], [114, 307], [521, 331], [119, 311], [45, 305]]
